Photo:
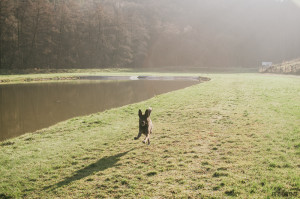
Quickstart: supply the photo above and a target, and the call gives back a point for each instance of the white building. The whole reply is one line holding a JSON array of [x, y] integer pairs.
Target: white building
[[264, 66]]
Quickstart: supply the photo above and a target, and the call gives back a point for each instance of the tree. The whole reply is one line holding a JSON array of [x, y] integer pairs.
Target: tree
[[7, 33]]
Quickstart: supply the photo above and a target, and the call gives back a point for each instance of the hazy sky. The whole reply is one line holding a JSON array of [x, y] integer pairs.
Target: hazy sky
[[228, 33]]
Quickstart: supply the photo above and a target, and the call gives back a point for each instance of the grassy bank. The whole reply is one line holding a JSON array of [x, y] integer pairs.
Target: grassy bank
[[234, 136], [26, 76], [34, 75]]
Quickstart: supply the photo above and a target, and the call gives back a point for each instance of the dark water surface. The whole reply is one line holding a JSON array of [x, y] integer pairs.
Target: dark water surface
[[29, 107]]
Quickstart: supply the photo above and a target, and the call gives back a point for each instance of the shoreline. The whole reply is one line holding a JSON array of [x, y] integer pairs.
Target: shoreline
[[34, 78]]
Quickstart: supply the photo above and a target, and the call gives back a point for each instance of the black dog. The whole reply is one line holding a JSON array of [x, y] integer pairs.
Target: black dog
[[145, 125]]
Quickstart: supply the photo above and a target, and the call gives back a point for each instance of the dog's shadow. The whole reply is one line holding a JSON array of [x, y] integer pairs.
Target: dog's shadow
[[101, 165]]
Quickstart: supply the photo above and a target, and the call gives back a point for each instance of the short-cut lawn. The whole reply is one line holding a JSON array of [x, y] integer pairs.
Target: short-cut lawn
[[237, 135]]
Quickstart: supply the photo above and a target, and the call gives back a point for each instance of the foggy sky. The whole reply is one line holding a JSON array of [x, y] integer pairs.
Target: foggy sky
[[237, 33]]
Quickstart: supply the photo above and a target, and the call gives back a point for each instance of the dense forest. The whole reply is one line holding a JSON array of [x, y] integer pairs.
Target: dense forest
[[147, 33]]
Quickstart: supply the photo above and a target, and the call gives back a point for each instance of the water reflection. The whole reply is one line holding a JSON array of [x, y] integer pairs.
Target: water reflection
[[29, 107]]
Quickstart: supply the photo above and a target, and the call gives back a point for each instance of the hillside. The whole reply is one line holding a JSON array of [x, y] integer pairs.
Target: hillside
[[289, 67]]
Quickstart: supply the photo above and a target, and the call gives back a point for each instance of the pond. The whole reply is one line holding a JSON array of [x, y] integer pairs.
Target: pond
[[30, 107]]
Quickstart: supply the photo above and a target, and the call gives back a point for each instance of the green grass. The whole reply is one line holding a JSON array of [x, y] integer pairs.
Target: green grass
[[26, 76], [237, 135]]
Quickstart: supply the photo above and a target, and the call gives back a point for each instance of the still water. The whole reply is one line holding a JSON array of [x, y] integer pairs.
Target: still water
[[29, 107]]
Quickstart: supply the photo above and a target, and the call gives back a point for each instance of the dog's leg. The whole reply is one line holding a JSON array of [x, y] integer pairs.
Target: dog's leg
[[139, 135], [148, 135], [150, 132], [147, 139]]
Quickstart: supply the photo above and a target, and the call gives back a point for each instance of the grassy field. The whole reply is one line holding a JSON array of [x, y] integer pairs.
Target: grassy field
[[237, 135]]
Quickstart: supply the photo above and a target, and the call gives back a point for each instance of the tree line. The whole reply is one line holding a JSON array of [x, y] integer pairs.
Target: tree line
[[71, 33], [133, 33]]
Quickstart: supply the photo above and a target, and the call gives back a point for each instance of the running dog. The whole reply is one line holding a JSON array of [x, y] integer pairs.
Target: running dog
[[145, 125]]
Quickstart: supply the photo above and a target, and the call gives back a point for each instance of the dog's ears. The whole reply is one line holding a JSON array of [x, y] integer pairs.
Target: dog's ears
[[148, 111], [140, 113]]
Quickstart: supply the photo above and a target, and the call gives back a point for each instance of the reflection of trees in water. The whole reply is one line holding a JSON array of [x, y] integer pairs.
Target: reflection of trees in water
[[30, 107]]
